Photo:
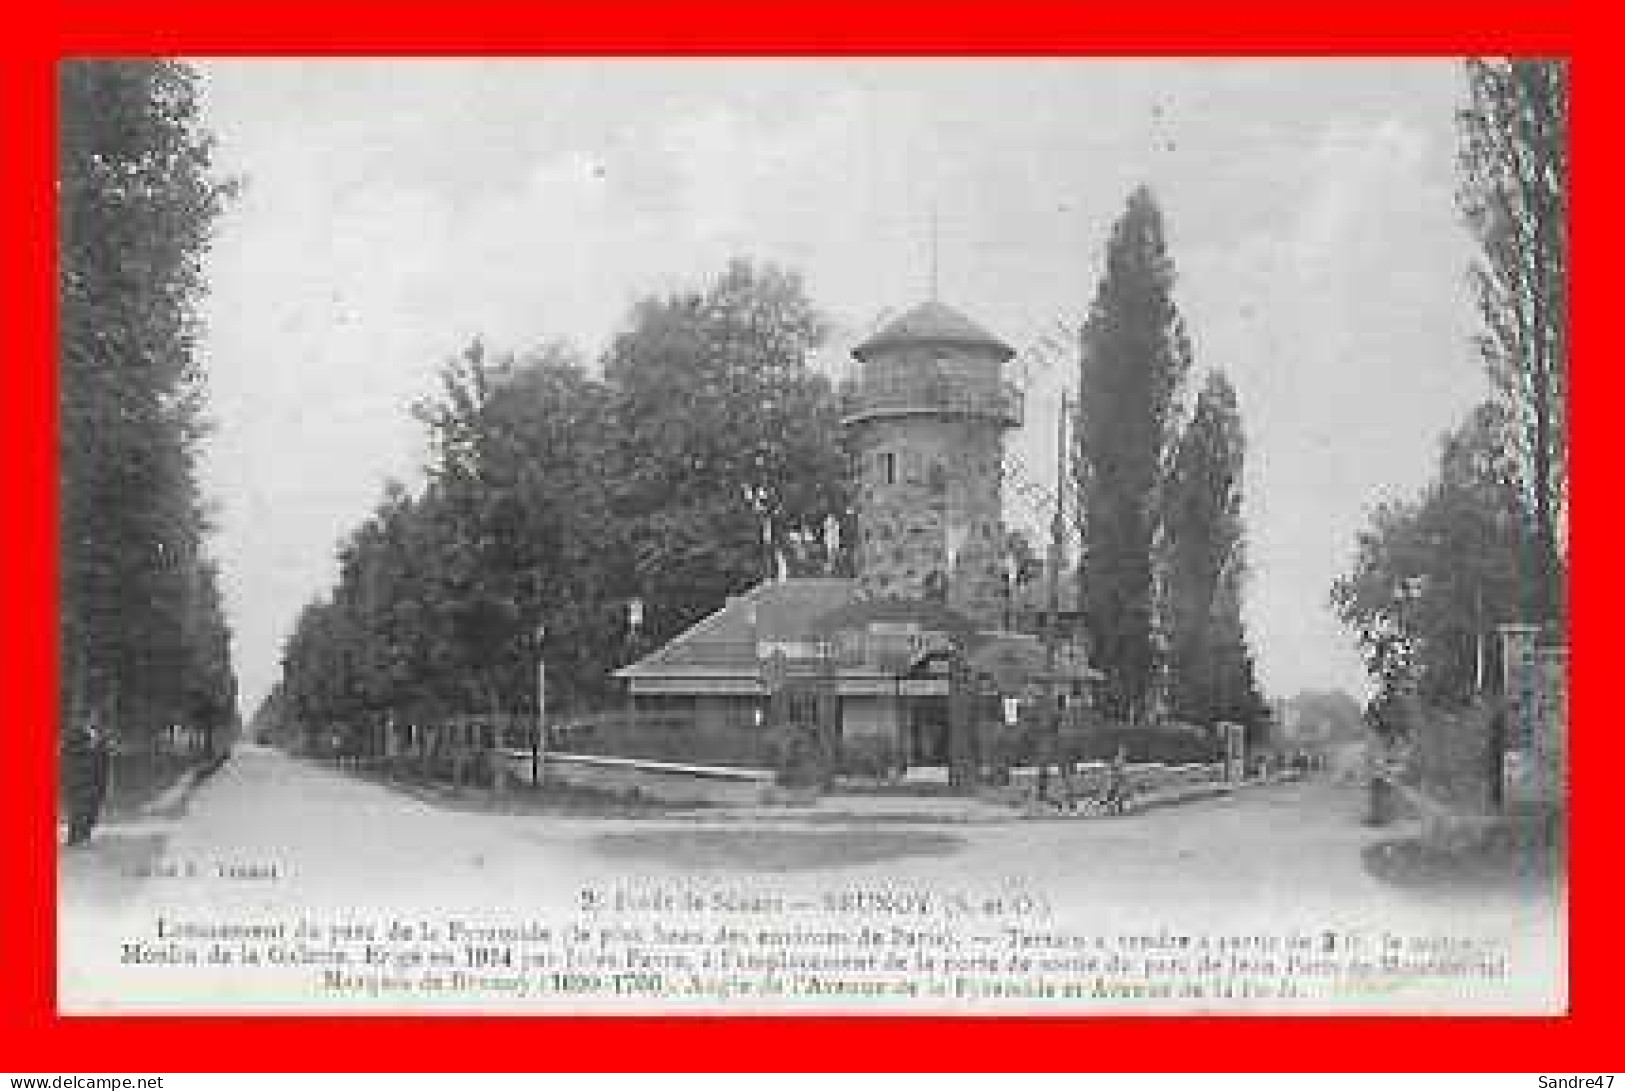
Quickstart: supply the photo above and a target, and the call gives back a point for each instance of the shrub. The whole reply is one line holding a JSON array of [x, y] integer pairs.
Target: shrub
[[873, 756], [1093, 738], [800, 760], [1450, 754]]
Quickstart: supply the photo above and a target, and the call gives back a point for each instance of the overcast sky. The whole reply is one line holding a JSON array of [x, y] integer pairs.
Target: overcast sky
[[394, 209]]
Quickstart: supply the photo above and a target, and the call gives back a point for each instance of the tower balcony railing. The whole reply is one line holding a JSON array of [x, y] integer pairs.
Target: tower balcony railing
[[943, 395]]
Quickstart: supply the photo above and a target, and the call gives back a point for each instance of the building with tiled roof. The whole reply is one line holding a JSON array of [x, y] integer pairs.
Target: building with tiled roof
[[926, 417], [722, 653]]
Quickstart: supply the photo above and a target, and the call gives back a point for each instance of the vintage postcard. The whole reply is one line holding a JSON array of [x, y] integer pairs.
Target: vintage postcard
[[939, 536]]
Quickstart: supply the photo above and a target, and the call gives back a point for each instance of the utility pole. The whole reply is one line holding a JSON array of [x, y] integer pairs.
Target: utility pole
[[1052, 621]]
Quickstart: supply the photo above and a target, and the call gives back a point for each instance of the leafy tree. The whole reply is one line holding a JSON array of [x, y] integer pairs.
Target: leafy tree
[[142, 631], [1135, 359], [447, 591], [1432, 577], [1210, 667], [482, 552], [552, 498], [310, 668], [1335, 711], [730, 450], [209, 694], [1514, 194], [387, 574], [272, 721]]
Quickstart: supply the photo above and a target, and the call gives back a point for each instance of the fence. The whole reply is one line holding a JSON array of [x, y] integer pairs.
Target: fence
[[668, 738], [1092, 739]]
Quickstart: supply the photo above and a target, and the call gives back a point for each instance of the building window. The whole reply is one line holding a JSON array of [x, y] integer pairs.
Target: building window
[[888, 468]]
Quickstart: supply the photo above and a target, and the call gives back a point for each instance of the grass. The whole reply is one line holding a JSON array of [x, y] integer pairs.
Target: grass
[[138, 779], [554, 799], [748, 849], [1523, 853], [869, 786]]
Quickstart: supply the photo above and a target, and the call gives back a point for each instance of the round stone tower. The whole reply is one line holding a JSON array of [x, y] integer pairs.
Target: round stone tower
[[927, 416]]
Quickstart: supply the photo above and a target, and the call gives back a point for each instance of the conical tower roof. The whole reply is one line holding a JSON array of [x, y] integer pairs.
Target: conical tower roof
[[932, 323]]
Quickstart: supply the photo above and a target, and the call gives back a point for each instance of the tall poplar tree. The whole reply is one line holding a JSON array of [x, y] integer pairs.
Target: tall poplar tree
[[1136, 356], [143, 636], [1210, 667], [1514, 194]]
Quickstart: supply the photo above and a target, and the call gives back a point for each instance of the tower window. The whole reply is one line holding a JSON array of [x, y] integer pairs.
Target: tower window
[[913, 467], [888, 468]]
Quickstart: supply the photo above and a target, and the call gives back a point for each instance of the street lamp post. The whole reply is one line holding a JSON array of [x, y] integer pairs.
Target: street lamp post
[[1012, 570], [1478, 640], [538, 739], [829, 712], [634, 629]]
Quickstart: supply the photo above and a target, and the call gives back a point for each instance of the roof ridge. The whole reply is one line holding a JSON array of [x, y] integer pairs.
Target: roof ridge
[[724, 620], [932, 321], [716, 617], [712, 618]]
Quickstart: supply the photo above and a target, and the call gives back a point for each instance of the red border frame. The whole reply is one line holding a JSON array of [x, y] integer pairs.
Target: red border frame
[[36, 1038]]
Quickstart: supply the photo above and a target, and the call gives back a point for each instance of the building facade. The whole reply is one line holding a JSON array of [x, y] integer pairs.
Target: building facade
[[927, 415]]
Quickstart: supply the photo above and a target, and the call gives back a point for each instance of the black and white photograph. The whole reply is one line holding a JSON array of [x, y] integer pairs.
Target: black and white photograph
[[812, 535]]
